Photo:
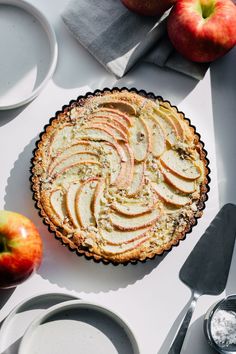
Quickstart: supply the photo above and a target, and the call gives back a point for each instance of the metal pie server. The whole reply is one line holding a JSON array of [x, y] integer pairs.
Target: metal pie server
[[206, 269]]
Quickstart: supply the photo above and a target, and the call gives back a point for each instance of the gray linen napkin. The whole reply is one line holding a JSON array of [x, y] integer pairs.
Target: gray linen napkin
[[118, 38]]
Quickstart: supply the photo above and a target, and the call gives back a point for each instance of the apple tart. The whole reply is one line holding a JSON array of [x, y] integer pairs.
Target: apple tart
[[120, 175]]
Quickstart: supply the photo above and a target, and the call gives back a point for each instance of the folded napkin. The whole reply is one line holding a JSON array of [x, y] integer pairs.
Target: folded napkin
[[118, 38]]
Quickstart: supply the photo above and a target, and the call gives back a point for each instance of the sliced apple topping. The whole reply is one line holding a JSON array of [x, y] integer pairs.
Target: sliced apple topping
[[170, 195], [137, 180], [157, 136], [120, 171], [118, 237], [70, 202], [111, 119], [81, 146], [140, 139], [83, 202], [182, 167], [122, 117], [126, 223], [96, 202], [179, 183], [168, 126], [73, 159], [53, 205], [115, 161], [61, 138], [175, 119], [131, 209], [97, 134], [114, 130], [127, 168], [121, 106], [79, 171], [125, 247], [57, 200], [100, 134]]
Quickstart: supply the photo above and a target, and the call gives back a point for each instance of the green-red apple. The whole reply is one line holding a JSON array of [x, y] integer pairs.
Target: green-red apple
[[148, 7], [202, 30], [20, 248]]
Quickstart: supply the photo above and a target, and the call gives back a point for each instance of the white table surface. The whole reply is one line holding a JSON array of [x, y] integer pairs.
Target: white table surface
[[149, 296]]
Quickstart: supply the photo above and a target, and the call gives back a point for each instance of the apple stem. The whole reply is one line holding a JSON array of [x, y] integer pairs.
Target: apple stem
[[206, 8], [3, 244]]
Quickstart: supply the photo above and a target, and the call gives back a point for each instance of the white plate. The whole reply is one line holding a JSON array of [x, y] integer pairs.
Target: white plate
[[28, 52], [16, 323], [78, 327]]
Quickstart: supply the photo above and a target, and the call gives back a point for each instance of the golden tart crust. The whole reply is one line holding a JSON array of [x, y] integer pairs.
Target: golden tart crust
[[120, 175]]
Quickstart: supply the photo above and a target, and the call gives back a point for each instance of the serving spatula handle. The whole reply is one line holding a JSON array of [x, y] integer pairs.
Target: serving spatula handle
[[179, 338]]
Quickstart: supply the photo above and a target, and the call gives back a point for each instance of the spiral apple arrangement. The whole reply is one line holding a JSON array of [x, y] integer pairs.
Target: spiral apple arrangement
[[200, 30]]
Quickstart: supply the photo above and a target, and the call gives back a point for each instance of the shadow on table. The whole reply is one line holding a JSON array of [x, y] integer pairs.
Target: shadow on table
[[169, 84], [7, 115], [77, 68], [60, 266], [223, 86], [13, 348], [195, 341], [5, 295], [231, 283]]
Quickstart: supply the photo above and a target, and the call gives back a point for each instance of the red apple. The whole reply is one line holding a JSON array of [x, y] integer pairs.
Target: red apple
[[20, 248], [202, 30], [148, 7]]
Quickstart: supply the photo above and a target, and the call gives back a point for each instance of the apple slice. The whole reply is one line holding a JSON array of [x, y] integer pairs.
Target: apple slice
[[115, 131], [57, 200], [131, 209], [178, 183], [115, 161], [54, 207], [60, 138], [83, 201], [169, 195], [101, 134], [168, 126], [96, 202], [73, 159], [174, 117], [140, 139], [70, 202], [125, 177], [124, 118], [157, 137], [118, 237], [181, 167], [82, 146], [73, 172], [110, 119], [97, 134], [137, 180], [126, 223], [122, 248], [121, 106]]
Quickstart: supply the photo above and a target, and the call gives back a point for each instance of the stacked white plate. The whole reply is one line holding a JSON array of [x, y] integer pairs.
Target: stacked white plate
[[28, 52], [58, 323]]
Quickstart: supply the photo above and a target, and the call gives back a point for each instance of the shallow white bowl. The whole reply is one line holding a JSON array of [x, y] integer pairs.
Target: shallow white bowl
[[28, 52], [18, 320], [76, 327]]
